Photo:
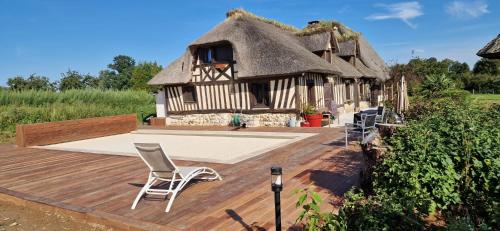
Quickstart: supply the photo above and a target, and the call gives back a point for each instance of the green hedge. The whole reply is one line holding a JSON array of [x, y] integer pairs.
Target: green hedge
[[24, 107]]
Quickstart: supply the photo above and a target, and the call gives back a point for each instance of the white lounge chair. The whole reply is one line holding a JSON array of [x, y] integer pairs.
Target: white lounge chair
[[163, 169]]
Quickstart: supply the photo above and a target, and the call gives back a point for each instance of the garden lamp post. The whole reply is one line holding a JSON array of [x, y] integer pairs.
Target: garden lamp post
[[277, 186]]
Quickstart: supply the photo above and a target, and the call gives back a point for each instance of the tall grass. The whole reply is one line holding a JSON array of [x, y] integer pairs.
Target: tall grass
[[26, 107]]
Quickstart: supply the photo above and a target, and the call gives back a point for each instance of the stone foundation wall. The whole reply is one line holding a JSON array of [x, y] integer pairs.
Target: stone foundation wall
[[224, 119]]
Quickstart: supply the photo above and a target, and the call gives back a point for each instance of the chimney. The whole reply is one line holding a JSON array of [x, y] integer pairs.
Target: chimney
[[310, 23]]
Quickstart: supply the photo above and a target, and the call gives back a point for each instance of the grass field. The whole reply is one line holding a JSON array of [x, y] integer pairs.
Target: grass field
[[486, 99], [45, 106]]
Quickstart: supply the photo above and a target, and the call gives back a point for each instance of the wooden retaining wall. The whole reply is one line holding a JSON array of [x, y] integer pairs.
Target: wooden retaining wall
[[158, 122], [71, 130]]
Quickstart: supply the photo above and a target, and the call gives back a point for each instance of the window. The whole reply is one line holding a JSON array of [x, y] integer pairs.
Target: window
[[216, 54], [260, 95], [223, 54], [205, 55], [189, 94]]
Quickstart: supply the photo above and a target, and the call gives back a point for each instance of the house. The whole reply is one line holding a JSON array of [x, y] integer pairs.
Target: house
[[491, 50], [269, 71]]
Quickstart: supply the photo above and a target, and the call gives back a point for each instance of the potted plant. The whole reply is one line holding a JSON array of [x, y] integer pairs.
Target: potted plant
[[312, 116]]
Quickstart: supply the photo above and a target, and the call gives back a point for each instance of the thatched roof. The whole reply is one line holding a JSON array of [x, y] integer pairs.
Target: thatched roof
[[346, 67], [344, 32], [347, 48], [259, 49], [367, 72], [263, 47], [371, 59], [491, 50], [179, 71], [317, 42]]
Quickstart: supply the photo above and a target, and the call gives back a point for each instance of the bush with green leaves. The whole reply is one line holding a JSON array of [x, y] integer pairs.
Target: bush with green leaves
[[435, 83], [449, 160], [424, 106], [445, 162], [311, 216], [357, 213], [377, 213], [24, 107]]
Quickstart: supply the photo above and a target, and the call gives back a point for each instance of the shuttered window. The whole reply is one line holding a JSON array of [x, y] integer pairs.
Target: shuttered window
[[260, 95], [189, 94]]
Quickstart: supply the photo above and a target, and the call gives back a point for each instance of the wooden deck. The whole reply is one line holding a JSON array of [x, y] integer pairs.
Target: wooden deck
[[101, 188]]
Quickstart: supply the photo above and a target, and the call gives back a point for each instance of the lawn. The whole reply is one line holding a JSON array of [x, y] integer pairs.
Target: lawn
[[486, 99]]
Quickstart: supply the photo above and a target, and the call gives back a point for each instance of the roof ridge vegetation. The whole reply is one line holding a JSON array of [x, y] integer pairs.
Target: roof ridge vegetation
[[345, 33], [239, 12]]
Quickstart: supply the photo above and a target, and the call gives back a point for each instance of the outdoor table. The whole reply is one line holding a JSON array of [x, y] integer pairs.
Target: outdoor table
[[357, 115], [328, 115]]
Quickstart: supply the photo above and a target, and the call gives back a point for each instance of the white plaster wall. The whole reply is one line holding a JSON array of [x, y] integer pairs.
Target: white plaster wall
[[160, 104]]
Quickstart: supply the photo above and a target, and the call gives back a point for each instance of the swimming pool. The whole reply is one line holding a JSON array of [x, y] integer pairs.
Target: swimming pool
[[226, 147]]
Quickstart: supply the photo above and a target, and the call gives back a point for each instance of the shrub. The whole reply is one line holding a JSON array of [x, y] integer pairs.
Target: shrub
[[311, 215], [377, 213], [446, 160], [357, 213], [435, 83], [424, 106], [46, 106]]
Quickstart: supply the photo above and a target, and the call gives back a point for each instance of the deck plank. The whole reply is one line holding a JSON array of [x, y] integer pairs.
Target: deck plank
[[107, 184]]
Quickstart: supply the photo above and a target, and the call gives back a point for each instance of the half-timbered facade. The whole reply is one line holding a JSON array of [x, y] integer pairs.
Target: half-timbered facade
[[268, 74]]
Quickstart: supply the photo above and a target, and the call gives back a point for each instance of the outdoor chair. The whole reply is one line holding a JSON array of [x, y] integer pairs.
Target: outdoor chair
[[365, 126], [163, 169], [380, 118]]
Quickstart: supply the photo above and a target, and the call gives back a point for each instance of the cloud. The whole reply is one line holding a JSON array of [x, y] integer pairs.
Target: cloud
[[467, 9], [403, 11]]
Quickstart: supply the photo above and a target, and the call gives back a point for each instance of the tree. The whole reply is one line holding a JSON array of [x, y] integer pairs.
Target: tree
[[122, 66], [459, 68], [435, 83], [33, 82], [430, 66], [17, 83], [485, 66], [142, 73], [37, 82], [71, 80], [107, 79], [90, 81]]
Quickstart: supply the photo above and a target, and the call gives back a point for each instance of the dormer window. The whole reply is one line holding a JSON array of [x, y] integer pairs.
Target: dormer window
[[216, 54]]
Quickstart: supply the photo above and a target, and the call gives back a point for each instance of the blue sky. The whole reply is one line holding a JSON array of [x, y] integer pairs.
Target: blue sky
[[48, 37]]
